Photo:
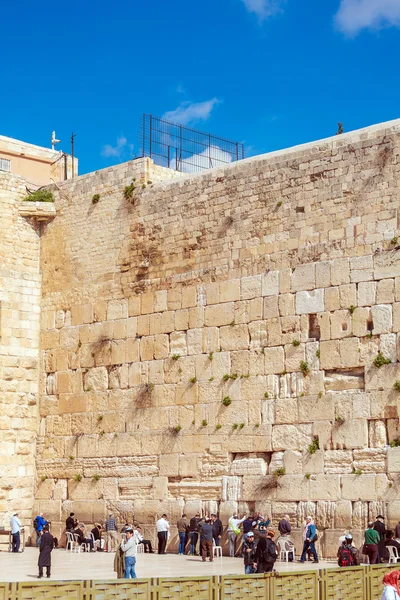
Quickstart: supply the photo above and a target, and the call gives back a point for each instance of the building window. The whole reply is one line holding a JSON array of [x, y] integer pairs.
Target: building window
[[5, 165]]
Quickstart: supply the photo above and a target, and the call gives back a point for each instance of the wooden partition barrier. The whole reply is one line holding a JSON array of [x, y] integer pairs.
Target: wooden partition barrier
[[350, 583]]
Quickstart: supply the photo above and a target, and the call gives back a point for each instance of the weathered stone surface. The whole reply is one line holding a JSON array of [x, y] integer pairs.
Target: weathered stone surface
[[310, 302]]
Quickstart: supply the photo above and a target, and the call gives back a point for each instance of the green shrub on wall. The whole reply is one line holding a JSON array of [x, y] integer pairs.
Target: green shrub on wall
[[40, 196]]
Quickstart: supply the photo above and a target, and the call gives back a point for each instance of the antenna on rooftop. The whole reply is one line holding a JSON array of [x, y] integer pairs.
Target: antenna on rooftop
[[54, 140]]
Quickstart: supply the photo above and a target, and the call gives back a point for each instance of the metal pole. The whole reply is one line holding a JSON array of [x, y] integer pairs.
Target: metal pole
[[73, 153], [209, 151], [65, 166], [180, 146], [237, 151], [151, 132]]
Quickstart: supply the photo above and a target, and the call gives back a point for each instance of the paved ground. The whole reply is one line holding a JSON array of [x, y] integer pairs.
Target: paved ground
[[99, 565]]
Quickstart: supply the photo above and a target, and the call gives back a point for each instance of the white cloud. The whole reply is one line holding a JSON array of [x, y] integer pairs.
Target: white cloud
[[355, 15], [188, 113], [208, 159], [116, 150], [264, 8]]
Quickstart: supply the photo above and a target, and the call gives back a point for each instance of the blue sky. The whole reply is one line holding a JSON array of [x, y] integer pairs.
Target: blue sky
[[270, 73]]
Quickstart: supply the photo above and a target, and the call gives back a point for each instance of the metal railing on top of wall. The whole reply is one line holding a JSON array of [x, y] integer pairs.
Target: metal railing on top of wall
[[350, 583]]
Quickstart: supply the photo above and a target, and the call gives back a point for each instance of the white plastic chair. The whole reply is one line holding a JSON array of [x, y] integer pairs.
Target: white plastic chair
[[285, 550], [93, 540], [140, 548], [393, 554], [77, 545], [70, 542], [217, 550]]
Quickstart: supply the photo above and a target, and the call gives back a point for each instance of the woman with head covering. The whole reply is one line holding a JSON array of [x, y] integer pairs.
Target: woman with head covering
[[391, 591], [309, 537]]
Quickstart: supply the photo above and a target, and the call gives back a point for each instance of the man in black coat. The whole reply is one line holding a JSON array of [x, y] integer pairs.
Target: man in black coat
[[71, 523], [217, 529], [46, 547], [379, 526]]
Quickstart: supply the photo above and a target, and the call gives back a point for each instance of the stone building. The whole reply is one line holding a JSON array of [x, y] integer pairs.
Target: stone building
[[220, 341]]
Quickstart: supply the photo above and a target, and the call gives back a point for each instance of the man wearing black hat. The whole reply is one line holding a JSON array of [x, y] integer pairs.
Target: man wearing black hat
[[379, 526], [46, 547], [71, 523]]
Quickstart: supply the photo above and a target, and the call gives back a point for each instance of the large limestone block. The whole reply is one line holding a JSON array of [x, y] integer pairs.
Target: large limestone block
[[292, 462], [229, 291], [387, 264], [316, 409], [303, 278], [250, 287], [220, 314], [96, 379], [189, 464], [393, 460], [313, 463], [270, 283], [382, 318], [234, 338], [330, 354], [324, 487], [231, 488], [347, 295], [361, 268], [194, 341], [286, 410], [259, 488], [340, 271], [377, 434], [294, 355], [358, 487], [323, 274], [291, 437], [370, 460], [382, 378], [292, 487], [177, 343], [310, 302], [249, 466], [341, 324], [366, 293], [117, 309], [343, 514], [274, 360], [351, 434]]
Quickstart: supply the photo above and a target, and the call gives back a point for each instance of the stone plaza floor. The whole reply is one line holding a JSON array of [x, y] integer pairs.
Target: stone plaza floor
[[100, 565]]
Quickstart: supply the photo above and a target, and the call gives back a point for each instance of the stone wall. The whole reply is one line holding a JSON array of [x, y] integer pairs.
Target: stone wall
[[19, 352], [201, 338]]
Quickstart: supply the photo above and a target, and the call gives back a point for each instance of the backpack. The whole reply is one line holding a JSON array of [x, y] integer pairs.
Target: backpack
[[271, 551], [345, 557], [36, 524]]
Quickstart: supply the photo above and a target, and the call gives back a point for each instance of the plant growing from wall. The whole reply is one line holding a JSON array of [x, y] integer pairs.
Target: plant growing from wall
[[40, 196], [176, 356], [96, 477], [77, 477], [266, 395], [204, 423], [307, 475], [381, 360], [177, 429], [396, 386], [395, 443], [356, 471], [235, 426], [227, 401], [304, 368], [210, 356], [352, 308], [241, 425], [279, 472], [296, 343], [318, 353], [95, 198], [43, 478], [218, 426], [193, 380], [314, 446], [257, 425], [71, 457], [128, 190], [339, 420]]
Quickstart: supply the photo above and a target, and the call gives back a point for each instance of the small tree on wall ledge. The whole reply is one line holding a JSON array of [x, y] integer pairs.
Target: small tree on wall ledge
[[40, 196]]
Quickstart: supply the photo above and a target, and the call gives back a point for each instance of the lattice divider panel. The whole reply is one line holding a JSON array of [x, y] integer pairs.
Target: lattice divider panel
[[299, 584], [375, 576], [193, 588], [50, 590], [137, 589], [4, 591], [347, 583], [237, 587]]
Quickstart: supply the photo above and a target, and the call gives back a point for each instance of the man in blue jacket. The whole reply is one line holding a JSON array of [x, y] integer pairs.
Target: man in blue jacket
[[38, 524], [310, 537]]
